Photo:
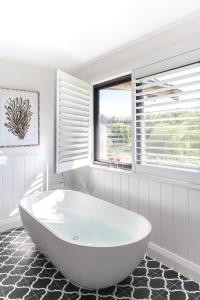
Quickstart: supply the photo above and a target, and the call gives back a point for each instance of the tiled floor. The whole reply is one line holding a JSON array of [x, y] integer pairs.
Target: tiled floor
[[25, 273]]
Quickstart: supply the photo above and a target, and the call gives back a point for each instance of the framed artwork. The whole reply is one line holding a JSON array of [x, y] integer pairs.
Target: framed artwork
[[19, 118]]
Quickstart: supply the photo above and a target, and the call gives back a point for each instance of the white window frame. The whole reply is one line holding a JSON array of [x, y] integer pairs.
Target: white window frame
[[191, 176]]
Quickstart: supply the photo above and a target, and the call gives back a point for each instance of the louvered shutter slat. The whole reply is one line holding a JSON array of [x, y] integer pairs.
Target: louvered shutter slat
[[73, 116], [167, 121]]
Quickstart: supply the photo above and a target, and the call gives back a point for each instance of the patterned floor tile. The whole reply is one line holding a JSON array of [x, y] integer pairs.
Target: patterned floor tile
[[141, 293], [1, 293], [26, 274], [18, 293]]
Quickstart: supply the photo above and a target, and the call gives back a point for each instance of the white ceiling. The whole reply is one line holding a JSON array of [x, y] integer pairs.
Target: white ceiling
[[71, 33]]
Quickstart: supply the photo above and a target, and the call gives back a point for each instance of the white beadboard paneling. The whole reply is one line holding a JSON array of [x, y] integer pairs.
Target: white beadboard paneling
[[93, 183], [167, 205], [116, 193], [144, 197], [194, 226], [1, 186], [181, 221], [51, 179], [101, 184], [124, 191], [8, 194], [20, 175], [29, 163], [154, 203], [167, 216], [133, 193], [108, 186], [40, 173], [82, 179], [19, 179]]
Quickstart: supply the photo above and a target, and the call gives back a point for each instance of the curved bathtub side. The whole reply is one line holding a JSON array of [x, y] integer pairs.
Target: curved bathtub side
[[90, 267]]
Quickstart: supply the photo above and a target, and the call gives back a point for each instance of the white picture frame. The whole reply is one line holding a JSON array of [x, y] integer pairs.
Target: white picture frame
[[19, 118]]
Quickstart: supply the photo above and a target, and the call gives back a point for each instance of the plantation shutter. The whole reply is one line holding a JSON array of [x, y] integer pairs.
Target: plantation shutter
[[72, 122], [167, 122]]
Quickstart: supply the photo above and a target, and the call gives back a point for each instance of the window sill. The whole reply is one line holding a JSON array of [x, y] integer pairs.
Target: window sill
[[139, 174], [110, 169]]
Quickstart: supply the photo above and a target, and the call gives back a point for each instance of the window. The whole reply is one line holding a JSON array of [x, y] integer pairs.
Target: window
[[162, 105], [168, 118], [113, 123]]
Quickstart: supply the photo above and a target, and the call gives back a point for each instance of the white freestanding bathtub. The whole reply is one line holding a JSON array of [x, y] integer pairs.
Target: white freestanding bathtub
[[93, 243]]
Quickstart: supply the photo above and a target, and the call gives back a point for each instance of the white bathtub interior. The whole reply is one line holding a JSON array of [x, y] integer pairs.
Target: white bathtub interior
[[76, 218]]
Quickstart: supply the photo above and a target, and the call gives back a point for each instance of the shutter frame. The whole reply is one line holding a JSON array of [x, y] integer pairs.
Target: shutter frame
[[162, 105], [73, 100]]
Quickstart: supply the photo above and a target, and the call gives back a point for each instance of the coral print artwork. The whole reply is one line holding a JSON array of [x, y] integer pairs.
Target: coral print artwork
[[19, 118], [19, 114]]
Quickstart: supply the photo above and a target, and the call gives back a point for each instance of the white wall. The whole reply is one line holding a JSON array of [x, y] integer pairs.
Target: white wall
[[23, 170], [172, 207], [152, 48]]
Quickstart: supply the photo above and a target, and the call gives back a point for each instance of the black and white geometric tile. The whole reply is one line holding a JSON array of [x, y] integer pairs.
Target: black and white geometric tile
[[26, 274]]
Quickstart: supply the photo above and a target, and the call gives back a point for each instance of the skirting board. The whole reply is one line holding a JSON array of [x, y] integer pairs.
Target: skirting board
[[178, 263], [10, 223]]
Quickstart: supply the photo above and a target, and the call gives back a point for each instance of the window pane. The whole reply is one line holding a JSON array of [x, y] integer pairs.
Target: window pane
[[168, 118], [114, 138]]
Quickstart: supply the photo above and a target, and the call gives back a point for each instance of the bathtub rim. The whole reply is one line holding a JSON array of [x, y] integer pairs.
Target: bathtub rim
[[56, 233]]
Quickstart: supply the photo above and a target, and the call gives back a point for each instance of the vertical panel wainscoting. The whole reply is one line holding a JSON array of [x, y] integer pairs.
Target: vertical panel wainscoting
[[20, 175], [174, 212]]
